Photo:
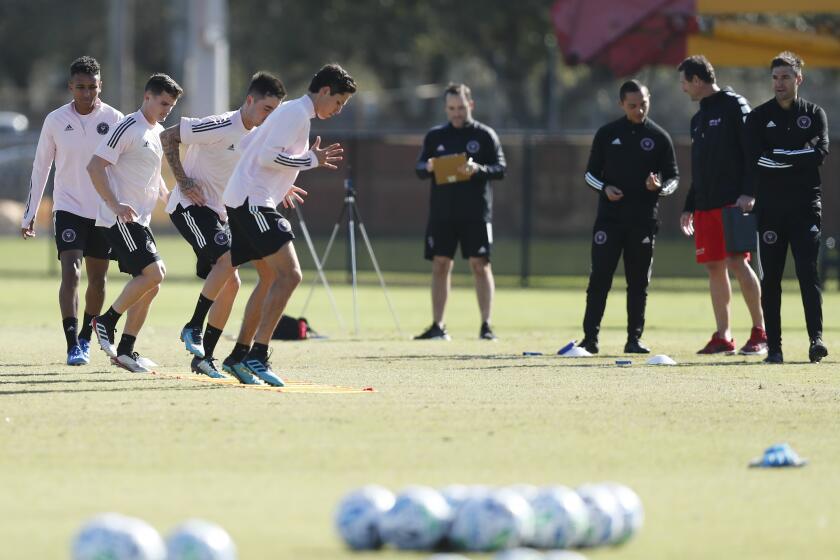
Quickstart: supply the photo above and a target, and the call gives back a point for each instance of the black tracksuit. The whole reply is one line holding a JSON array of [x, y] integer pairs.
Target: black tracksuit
[[623, 155], [717, 152], [787, 148]]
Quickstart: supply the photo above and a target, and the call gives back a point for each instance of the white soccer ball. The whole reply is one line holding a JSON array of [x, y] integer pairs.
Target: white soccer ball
[[606, 518], [500, 520], [631, 506], [561, 518], [200, 540], [114, 536], [419, 519], [527, 491], [358, 514], [458, 494]]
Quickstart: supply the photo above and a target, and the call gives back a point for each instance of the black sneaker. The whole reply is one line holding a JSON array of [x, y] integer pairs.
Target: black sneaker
[[774, 357], [486, 332], [634, 346], [589, 344], [435, 332], [817, 351]]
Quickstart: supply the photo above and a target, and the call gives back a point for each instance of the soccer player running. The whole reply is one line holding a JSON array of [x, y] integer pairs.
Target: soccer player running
[[196, 208], [125, 169], [69, 137], [272, 158], [631, 166], [461, 212], [788, 142], [719, 179]]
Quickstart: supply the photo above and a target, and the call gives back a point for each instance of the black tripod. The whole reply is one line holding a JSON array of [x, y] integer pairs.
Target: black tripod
[[350, 212]]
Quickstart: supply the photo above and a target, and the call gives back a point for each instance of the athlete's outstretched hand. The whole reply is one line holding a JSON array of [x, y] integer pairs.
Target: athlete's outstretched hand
[[295, 194], [687, 223], [28, 231], [614, 194], [329, 156]]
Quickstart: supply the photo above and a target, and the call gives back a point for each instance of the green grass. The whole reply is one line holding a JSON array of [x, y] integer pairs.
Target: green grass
[[271, 467]]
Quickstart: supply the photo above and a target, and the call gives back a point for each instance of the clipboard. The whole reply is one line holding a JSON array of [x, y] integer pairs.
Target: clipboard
[[446, 169], [740, 231]]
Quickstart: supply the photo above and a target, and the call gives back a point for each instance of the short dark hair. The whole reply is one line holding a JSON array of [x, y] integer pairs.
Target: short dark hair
[[85, 65], [335, 77], [631, 86], [698, 65], [788, 58], [264, 84], [462, 90], [160, 83]]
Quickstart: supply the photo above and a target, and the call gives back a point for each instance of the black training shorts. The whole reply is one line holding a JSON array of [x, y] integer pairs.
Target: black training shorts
[[442, 238], [208, 236], [256, 232], [74, 232], [134, 246]]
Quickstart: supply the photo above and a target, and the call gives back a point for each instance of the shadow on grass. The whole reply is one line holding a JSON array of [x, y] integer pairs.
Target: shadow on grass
[[111, 390]]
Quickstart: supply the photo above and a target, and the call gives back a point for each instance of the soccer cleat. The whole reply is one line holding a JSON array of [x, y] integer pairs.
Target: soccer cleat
[[817, 351], [262, 369], [486, 332], [240, 371], [756, 345], [634, 346], [105, 337], [146, 362], [84, 344], [774, 357], [718, 345], [192, 340], [435, 332], [130, 362], [75, 356], [589, 344], [206, 366]]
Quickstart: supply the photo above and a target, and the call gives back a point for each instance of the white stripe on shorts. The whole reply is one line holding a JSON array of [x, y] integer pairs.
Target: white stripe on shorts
[[199, 238], [262, 224], [129, 241]]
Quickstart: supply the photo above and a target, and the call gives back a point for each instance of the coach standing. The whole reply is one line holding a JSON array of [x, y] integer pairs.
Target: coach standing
[[631, 165], [718, 179], [461, 212], [788, 140]]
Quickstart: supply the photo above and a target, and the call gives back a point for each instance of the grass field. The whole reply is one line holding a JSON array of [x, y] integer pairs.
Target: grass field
[[271, 467]]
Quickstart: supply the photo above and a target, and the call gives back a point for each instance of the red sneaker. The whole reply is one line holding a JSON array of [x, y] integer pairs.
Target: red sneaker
[[756, 345], [719, 345]]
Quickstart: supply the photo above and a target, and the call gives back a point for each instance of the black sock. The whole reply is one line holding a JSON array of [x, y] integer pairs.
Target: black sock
[[202, 306], [87, 329], [239, 352], [259, 351], [211, 337], [111, 317], [71, 327], [126, 346]]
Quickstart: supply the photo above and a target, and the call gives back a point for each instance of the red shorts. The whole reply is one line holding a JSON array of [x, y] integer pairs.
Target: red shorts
[[708, 237]]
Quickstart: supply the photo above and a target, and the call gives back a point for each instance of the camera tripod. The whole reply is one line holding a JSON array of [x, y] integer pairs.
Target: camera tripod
[[350, 213]]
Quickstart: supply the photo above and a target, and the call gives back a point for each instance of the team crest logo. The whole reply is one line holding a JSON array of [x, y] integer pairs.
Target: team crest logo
[[103, 128], [600, 237], [150, 245], [803, 122], [647, 144], [68, 235], [473, 146], [221, 238], [284, 225], [770, 237]]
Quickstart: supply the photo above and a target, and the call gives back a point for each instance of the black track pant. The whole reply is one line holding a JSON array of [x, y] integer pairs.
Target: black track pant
[[780, 226], [609, 241]]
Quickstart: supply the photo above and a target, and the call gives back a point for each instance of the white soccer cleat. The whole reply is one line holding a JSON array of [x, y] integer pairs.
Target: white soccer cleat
[[146, 362], [130, 362]]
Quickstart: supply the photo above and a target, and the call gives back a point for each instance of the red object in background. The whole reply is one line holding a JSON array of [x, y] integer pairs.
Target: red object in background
[[624, 35]]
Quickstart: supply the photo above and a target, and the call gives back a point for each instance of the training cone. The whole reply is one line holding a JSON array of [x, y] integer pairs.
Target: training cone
[[572, 351], [779, 455], [661, 360]]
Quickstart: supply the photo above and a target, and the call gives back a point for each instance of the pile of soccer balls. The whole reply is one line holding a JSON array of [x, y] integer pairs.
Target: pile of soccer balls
[[118, 537], [481, 519]]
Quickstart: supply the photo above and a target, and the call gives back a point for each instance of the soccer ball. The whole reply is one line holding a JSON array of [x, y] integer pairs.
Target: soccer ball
[[200, 540], [457, 494], [358, 514], [560, 518], [502, 519], [527, 491], [606, 518], [419, 519], [631, 506], [118, 537]]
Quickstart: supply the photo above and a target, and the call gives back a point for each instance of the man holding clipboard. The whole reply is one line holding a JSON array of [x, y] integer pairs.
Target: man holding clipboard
[[461, 158]]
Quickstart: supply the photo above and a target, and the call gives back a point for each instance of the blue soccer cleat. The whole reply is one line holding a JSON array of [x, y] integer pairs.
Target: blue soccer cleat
[[192, 340], [262, 369], [84, 344], [75, 356], [240, 371]]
